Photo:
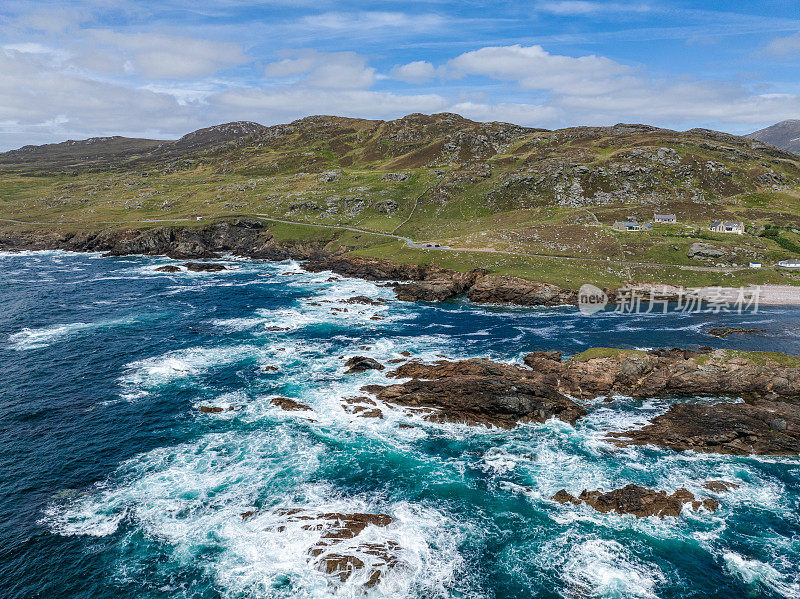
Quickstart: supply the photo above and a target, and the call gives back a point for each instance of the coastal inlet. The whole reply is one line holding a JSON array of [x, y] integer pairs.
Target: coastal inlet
[[265, 431]]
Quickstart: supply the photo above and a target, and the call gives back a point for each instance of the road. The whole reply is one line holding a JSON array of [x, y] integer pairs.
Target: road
[[414, 244]]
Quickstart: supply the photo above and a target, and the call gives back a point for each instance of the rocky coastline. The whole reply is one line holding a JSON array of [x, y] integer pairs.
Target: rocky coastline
[[252, 239], [483, 392]]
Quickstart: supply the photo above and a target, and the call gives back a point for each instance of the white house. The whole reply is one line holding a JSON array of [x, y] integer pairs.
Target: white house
[[793, 264], [665, 218], [630, 226], [719, 226]]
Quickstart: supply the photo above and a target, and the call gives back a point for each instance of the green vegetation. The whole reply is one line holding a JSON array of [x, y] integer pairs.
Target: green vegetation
[[515, 201], [605, 352]]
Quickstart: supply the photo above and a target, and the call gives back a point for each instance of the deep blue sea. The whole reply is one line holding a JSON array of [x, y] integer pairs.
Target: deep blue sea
[[113, 484]]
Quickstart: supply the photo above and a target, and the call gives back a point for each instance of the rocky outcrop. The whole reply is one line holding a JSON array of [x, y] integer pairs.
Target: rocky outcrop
[[252, 239], [289, 405], [639, 501], [492, 289], [338, 551], [242, 237], [723, 332], [604, 371], [476, 392], [204, 267], [362, 364], [763, 427], [484, 392]]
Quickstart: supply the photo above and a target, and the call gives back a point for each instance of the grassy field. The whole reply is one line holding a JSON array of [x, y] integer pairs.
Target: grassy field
[[548, 197]]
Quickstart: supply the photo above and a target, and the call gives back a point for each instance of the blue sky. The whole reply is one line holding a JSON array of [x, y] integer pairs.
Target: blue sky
[[160, 69]]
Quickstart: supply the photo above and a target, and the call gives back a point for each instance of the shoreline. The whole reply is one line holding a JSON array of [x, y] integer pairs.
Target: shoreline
[[252, 239]]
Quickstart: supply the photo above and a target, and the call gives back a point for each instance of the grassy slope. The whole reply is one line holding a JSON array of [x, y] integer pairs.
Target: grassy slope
[[515, 192]]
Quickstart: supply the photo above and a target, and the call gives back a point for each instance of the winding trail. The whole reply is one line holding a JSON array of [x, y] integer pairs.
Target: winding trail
[[420, 246]]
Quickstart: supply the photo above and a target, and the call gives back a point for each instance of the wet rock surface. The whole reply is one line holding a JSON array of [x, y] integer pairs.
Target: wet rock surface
[[476, 392], [725, 331], [339, 552], [358, 364], [204, 267], [762, 427], [289, 405], [639, 501]]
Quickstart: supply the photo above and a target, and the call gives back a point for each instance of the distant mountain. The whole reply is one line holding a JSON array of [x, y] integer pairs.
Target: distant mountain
[[116, 151], [785, 134]]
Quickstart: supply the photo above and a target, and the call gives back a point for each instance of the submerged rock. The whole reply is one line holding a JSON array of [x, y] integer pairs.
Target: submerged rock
[[340, 554], [639, 501], [362, 364], [725, 331], [720, 486]]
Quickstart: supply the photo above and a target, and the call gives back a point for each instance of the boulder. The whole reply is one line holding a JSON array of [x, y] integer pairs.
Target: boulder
[[204, 267], [701, 250], [362, 364], [289, 405], [168, 268]]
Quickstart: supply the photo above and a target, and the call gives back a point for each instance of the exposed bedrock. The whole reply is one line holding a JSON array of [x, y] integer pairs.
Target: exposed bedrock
[[639, 501], [479, 391]]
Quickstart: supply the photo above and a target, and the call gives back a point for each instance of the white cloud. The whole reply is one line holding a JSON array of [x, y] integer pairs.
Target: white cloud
[[159, 56], [785, 46], [357, 22], [533, 68], [571, 8], [332, 70], [418, 71], [40, 102]]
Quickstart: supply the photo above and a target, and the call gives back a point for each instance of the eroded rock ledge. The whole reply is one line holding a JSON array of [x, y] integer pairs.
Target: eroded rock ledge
[[480, 391], [252, 239], [639, 501]]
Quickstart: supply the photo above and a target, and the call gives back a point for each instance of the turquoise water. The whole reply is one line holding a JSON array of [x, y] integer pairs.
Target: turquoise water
[[112, 484]]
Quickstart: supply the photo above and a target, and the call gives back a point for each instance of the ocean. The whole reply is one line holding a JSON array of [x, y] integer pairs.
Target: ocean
[[113, 483]]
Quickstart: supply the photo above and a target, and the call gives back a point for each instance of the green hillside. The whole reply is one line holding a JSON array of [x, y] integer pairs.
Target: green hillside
[[536, 203]]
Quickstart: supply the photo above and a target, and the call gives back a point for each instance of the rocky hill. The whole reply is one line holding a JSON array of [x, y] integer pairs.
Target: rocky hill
[[525, 197], [785, 134]]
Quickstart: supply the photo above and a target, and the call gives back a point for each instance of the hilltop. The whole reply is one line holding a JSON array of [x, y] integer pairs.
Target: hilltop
[[512, 200], [785, 134]]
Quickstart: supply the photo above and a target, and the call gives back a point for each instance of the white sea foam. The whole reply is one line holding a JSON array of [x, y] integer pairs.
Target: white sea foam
[[757, 574], [605, 568], [38, 338], [145, 375]]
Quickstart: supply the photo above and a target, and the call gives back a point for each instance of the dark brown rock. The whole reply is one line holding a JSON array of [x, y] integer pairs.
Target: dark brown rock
[[486, 400], [362, 364], [725, 331], [563, 497], [494, 289], [732, 428], [168, 268], [214, 409], [639, 501], [289, 405], [204, 267], [720, 486]]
